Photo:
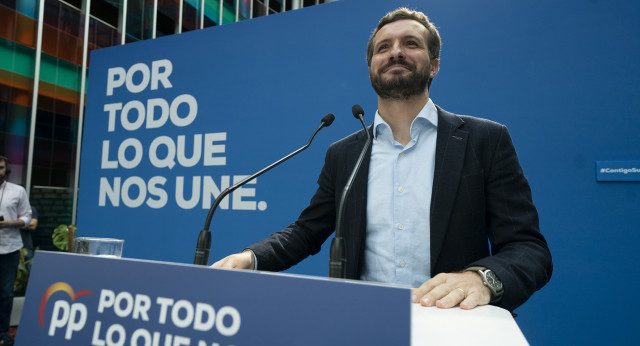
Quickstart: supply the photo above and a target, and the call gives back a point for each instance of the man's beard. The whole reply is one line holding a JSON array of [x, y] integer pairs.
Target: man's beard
[[400, 87]]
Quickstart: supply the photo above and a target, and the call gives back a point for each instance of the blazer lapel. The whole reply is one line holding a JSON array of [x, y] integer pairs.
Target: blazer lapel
[[451, 145]]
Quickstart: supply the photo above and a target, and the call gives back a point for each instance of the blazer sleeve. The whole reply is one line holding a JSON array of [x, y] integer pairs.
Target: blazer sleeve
[[306, 235], [520, 256]]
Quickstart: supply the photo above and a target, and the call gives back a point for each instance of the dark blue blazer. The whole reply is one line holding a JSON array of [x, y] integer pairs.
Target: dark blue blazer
[[482, 213]]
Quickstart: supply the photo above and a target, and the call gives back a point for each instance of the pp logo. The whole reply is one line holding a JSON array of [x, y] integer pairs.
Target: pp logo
[[71, 315]]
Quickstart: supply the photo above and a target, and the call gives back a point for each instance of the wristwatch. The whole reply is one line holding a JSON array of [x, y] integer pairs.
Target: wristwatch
[[489, 279]]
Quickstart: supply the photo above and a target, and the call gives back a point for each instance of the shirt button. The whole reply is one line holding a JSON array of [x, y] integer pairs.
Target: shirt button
[[400, 226], [400, 189], [401, 154], [402, 264]]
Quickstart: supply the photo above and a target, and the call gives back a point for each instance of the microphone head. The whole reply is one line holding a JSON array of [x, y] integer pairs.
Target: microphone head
[[328, 119], [357, 111]]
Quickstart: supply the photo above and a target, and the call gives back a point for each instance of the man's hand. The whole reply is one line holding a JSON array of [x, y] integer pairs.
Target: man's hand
[[242, 260], [448, 290], [32, 225]]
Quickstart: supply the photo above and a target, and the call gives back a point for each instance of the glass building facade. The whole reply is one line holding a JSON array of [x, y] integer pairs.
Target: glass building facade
[[44, 53]]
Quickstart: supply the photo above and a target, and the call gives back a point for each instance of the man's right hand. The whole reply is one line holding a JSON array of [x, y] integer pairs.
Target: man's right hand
[[242, 260]]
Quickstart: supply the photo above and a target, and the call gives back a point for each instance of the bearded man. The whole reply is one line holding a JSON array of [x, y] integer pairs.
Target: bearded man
[[440, 203]]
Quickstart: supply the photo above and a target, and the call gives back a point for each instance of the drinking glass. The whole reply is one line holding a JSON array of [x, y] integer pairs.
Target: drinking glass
[[103, 247]]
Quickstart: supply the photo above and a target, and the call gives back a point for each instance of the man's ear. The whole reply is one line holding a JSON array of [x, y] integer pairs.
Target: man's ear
[[435, 67]]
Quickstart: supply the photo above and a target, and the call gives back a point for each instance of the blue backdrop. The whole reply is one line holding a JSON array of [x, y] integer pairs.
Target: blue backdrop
[[563, 76]]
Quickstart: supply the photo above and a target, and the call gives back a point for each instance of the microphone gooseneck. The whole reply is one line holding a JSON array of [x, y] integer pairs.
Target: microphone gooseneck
[[203, 245], [337, 257]]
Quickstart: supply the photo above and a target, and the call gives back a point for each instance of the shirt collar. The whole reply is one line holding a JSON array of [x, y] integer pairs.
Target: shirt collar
[[428, 114]]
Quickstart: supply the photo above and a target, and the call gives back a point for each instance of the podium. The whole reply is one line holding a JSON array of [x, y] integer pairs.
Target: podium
[[83, 300]]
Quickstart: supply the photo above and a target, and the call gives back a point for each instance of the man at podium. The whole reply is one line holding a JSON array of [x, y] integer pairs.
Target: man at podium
[[440, 203]]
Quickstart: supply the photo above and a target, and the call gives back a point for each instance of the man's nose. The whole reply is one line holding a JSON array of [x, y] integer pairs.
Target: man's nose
[[396, 51]]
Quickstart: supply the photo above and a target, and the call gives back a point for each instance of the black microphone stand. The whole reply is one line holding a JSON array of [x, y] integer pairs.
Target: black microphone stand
[[203, 246], [337, 257]]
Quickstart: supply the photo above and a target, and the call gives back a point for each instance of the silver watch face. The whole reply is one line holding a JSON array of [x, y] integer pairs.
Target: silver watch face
[[493, 281]]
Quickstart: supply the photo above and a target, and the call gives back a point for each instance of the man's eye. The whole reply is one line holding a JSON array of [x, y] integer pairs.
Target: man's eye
[[382, 47]]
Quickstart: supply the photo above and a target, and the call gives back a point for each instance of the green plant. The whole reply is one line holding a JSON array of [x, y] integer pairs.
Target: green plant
[[22, 278], [63, 237]]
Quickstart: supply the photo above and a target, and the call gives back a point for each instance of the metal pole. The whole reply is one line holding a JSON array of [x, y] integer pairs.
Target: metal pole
[[34, 98], [155, 18], [201, 14], [180, 9], [220, 8], [83, 81], [124, 22]]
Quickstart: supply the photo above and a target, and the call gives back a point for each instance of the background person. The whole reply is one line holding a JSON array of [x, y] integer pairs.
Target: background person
[[27, 240], [15, 213]]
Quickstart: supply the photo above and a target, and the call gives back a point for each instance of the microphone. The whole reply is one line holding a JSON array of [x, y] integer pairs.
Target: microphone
[[203, 246], [337, 257]]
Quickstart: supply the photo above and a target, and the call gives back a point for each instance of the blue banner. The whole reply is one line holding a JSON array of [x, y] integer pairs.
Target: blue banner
[[83, 300], [172, 122]]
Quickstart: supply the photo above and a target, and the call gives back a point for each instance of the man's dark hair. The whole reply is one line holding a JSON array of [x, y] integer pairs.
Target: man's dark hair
[[433, 41], [6, 162]]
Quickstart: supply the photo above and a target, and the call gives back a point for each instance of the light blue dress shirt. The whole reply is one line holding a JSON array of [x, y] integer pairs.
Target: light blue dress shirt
[[397, 248]]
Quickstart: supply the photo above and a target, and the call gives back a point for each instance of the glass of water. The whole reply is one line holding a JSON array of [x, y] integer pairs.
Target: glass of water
[[103, 247]]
